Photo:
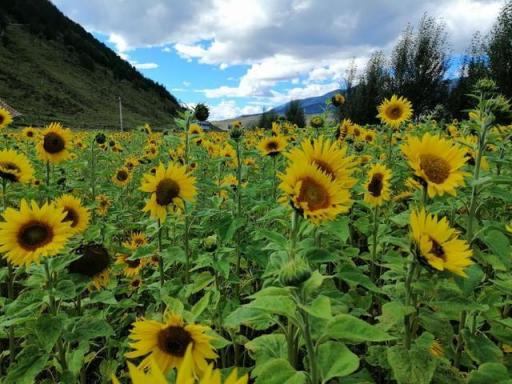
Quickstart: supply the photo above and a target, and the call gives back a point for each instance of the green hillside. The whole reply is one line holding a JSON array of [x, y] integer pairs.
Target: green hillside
[[52, 69]]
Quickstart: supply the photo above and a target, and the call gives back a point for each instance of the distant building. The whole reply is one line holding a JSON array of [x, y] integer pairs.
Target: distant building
[[8, 108]]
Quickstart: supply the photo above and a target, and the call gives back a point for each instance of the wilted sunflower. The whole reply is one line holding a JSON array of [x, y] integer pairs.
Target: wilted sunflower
[[377, 187], [438, 245], [167, 343], [76, 214], [272, 146], [94, 263], [313, 192], [395, 111], [15, 167], [169, 186], [29, 132], [33, 232], [5, 118], [327, 156], [437, 162], [121, 177], [54, 143]]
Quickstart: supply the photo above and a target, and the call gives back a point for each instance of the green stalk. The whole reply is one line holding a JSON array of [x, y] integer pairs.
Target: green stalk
[[160, 258], [93, 179], [293, 234], [238, 215], [186, 243], [408, 320], [274, 177], [373, 273], [61, 353]]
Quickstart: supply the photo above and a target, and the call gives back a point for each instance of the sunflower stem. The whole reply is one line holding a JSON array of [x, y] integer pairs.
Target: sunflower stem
[[274, 177], [310, 348], [61, 353], [93, 179], [186, 243], [238, 216], [160, 258], [294, 229], [408, 321], [48, 180], [390, 145], [375, 230]]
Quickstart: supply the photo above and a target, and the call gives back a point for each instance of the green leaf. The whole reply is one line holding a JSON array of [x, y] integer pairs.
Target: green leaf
[[65, 290], [278, 371], [76, 357], [319, 255], [353, 276], [393, 313], [350, 328], [48, 329], [201, 305], [339, 228], [278, 240], [250, 317], [488, 373], [89, 327], [320, 307], [413, 366], [29, 363], [336, 360], [499, 245], [267, 347], [276, 305], [480, 348], [314, 282]]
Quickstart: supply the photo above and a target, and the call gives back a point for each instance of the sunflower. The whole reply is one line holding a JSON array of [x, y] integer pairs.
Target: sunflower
[[314, 193], [272, 146], [140, 376], [470, 144], [33, 232], [76, 214], [395, 111], [338, 100], [94, 263], [438, 245], [15, 167], [131, 162], [54, 143], [5, 118], [377, 187], [326, 155], [167, 343], [437, 162], [343, 129], [210, 376], [131, 267], [436, 349], [195, 129], [137, 239], [169, 186], [369, 136], [29, 132], [122, 177], [104, 204]]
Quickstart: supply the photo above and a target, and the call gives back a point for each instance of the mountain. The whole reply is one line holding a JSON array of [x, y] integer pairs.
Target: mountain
[[51, 69], [311, 105]]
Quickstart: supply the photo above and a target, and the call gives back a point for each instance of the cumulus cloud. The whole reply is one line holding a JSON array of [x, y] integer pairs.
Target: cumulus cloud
[[310, 43], [227, 109], [145, 65]]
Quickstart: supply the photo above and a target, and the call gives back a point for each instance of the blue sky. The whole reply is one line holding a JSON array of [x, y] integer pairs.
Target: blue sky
[[244, 56]]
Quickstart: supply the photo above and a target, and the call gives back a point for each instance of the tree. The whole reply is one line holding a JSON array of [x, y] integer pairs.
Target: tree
[[500, 50], [419, 63], [295, 114], [267, 118]]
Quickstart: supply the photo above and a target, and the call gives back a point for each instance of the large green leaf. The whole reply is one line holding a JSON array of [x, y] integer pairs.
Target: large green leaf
[[29, 363], [267, 347], [480, 348], [349, 328], [414, 366], [48, 328], [488, 373], [278, 371], [336, 360], [320, 307]]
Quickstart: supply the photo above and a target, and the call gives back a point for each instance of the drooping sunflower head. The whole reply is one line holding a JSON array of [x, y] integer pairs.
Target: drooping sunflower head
[[437, 162], [395, 111], [15, 167], [377, 187], [31, 233], [5, 118], [338, 100], [272, 146], [76, 214], [438, 244], [121, 177], [103, 204], [94, 263], [168, 342], [314, 193], [54, 143], [329, 157], [168, 186]]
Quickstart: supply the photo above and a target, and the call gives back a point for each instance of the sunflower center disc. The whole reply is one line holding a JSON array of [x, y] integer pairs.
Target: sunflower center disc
[[375, 185], [72, 216], [313, 194], [395, 113], [437, 250], [436, 168], [122, 175], [53, 143], [1, 119], [272, 146], [166, 191], [34, 235], [133, 263], [174, 340], [9, 171], [94, 260]]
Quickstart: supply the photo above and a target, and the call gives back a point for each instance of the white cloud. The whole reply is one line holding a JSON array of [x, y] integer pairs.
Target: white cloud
[[145, 65], [228, 109]]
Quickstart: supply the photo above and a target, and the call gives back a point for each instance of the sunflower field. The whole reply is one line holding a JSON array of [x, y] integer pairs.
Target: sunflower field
[[332, 254]]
